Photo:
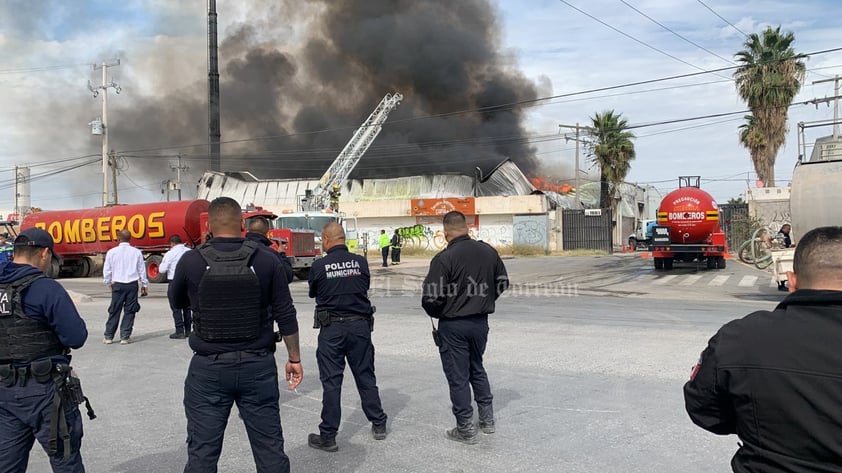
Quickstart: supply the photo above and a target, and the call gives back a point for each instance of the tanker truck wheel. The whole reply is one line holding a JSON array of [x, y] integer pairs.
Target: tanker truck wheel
[[55, 268], [82, 268], [720, 262], [153, 264], [303, 274], [668, 263], [659, 263]]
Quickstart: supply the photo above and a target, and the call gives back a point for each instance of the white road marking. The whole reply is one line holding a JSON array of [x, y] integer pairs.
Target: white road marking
[[747, 281], [718, 280], [665, 279], [690, 280]]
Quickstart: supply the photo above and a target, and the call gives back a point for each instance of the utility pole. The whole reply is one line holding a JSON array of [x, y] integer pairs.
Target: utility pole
[[113, 161], [577, 128], [178, 168], [105, 132], [835, 81]]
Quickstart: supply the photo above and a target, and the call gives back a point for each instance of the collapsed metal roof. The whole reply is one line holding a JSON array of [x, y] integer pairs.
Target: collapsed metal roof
[[505, 179]]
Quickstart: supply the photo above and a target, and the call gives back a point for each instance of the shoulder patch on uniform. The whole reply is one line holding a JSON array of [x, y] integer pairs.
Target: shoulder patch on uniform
[[696, 369]]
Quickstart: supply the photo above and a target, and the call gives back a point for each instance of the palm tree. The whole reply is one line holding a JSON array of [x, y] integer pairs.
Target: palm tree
[[612, 149], [769, 76], [755, 142]]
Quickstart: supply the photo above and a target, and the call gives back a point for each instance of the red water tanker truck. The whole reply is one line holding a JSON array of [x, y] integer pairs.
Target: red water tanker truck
[[688, 228], [82, 234]]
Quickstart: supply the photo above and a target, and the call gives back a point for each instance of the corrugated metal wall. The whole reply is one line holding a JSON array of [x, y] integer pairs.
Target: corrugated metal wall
[[587, 232]]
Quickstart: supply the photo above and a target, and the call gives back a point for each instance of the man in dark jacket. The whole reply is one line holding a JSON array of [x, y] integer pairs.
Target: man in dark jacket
[[774, 378], [258, 231], [34, 364], [339, 282], [230, 285], [460, 289]]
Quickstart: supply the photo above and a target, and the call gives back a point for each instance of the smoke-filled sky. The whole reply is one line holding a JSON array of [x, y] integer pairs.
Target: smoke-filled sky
[[297, 78]]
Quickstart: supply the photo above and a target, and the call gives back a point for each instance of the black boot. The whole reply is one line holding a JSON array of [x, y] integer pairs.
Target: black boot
[[178, 334], [486, 419], [320, 443], [463, 432]]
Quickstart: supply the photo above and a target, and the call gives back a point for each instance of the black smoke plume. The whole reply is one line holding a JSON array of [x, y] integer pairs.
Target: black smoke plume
[[444, 56]]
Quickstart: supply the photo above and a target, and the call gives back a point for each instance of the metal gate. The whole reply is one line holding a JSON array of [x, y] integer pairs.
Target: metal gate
[[530, 230], [736, 224], [587, 230]]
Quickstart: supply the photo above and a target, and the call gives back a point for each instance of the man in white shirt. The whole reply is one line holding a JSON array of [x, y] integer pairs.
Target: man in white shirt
[[123, 269], [181, 317]]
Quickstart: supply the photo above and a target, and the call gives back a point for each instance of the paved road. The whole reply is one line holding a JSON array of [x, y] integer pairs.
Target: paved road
[[586, 356]]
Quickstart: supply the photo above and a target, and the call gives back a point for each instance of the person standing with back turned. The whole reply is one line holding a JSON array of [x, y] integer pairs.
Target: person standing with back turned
[[339, 282], [384, 247], [230, 284], [121, 272], [181, 317], [774, 378], [461, 287]]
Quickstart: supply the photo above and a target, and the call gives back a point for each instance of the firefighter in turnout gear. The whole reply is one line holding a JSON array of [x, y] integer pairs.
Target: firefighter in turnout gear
[[237, 290], [339, 282], [334, 197], [39, 394]]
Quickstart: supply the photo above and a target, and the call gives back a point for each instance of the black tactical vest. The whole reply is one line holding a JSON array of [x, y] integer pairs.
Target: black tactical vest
[[22, 339], [229, 296]]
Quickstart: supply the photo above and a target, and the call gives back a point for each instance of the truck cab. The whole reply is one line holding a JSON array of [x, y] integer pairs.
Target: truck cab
[[642, 235], [315, 221]]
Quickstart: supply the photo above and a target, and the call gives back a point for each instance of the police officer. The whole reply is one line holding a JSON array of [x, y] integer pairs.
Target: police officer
[[773, 378], [339, 282], [6, 248], [231, 284], [38, 326], [460, 289]]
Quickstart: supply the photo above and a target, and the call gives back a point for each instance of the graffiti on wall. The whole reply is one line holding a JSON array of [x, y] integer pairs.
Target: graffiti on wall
[[530, 230], [427, 234]]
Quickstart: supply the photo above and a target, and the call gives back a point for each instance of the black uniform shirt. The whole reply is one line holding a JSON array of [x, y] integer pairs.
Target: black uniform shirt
[[340, 283], [464, 279], [274, 294], [775, 379]]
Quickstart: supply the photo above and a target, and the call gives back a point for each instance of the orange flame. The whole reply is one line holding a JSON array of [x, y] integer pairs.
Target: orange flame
[[547, 185]]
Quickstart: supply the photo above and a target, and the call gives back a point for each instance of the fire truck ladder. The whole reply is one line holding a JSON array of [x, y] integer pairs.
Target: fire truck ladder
[[347, 160]]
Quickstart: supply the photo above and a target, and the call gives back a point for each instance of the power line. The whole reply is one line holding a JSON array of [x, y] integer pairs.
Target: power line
[[27, 70], [676, 34], [632, 37], [721, 18]]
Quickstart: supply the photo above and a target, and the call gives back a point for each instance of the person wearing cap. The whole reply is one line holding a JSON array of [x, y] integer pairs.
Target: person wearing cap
[[46, 326], [181, 317], [123, 269], [773, 377]]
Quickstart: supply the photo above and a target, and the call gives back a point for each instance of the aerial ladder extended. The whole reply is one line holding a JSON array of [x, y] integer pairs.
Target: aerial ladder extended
[[330, 182]]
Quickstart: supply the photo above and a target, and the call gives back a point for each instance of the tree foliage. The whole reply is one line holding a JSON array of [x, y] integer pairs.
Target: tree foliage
[[768, 78], [612, 149]]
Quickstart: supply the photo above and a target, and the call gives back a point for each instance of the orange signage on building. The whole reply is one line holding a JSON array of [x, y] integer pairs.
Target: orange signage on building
[[441, 206]]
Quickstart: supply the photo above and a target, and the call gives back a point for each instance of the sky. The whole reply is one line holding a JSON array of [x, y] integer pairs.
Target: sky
[[525, 48]]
